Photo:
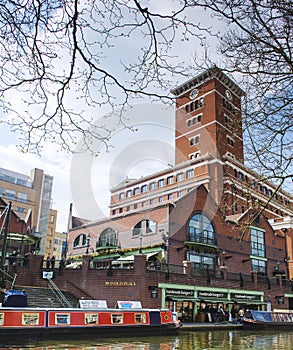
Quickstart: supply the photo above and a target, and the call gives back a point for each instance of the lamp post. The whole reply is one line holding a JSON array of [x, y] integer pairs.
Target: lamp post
[[167, 246], [88, 237]]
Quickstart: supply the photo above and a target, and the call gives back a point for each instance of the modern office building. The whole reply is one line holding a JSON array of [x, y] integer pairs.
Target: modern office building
[[32, 195]]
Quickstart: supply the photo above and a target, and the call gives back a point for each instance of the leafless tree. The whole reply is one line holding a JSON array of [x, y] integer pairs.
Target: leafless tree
[[62, 61], [258, 48]]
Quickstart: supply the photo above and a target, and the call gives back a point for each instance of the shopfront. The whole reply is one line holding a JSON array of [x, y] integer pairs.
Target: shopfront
[[194, 303]]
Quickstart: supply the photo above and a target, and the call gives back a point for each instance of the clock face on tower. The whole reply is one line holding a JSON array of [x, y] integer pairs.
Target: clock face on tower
[[228, 95], [193, 94]]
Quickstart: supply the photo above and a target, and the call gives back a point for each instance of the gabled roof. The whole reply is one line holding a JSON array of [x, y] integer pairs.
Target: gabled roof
[[77, 222]]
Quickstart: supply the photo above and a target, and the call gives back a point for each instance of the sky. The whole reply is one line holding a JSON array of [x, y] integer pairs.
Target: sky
[[85, 181]]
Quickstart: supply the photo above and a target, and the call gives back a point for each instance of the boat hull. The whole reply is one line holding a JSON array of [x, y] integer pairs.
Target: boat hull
[[24, 324], [266, 320]]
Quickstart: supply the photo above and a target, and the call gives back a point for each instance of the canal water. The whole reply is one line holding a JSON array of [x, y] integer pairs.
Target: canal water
[[208, 340]]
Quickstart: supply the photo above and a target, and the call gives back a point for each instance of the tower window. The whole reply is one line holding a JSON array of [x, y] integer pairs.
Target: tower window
[[230, 141], [194, 140], [189, 174]]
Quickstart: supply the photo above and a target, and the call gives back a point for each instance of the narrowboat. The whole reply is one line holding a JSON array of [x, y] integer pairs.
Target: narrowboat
[[126, 319], [268, 320]]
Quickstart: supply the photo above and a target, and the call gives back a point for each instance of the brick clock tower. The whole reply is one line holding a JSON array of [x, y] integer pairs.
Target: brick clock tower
[[208, 117]]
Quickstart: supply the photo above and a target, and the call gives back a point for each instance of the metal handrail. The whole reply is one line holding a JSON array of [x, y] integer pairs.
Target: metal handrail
[[58, 294], [9, 278]]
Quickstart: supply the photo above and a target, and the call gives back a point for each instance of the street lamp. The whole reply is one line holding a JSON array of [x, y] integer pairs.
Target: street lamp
[[167, 246], [88, 237]]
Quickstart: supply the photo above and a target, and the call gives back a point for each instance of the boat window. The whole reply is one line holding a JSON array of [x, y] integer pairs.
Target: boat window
[[1, 319], [140, 318], [62, 318], [30, 319], [117, 318], [91, 318]]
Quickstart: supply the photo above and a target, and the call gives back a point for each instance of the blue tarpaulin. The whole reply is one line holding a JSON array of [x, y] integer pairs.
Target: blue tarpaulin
[[263, 316], [15, 298]]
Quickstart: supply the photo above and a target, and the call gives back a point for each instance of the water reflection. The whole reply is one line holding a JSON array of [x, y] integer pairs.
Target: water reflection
[[218, 340]]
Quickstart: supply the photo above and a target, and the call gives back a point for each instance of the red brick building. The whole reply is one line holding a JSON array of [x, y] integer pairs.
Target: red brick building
[[209, 216]]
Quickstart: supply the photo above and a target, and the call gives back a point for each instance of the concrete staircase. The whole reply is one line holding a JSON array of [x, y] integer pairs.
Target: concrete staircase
[[44, 297]]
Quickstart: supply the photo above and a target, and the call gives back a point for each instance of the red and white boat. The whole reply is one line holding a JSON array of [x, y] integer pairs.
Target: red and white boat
[[125, 320]]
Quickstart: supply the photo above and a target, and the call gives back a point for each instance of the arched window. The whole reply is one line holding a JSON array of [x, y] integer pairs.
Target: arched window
[[108, 238], [144, 227], [80, 241], [201, 230]]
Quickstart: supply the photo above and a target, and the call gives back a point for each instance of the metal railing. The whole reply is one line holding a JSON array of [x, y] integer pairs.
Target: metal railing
[[8, 278], [58, 294]]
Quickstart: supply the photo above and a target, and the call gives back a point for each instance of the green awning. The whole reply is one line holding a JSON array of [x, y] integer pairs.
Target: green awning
[[181, 298], [17, 238], [248, 302], [215, 301]]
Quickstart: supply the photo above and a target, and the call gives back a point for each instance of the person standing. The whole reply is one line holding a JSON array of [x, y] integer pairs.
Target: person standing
[[241, 315], [53, 261], [48, 261], [234, 315]]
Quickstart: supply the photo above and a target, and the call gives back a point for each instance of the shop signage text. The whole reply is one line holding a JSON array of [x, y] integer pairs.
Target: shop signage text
[[216, 295], [245, 296], [119, 284], [179, 292]]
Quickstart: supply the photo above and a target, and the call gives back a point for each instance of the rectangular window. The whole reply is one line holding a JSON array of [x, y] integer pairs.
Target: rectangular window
[[135, 206], [259, 265], [21, 209], [189, 174], [10, 194], [140, 318], [230, 141], [161, 199], [136, 191], [121, 195], [152, 201], [179, 194], [90, 318], [152, 186], [144, 188], [128, 194], [161, 183], [30, 319], [170, 180], [1, 191], [170, 196], [179, 177], [143, 204], [257, 242], [22, 197], [62, 318], [201, 102], [117, 318]]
